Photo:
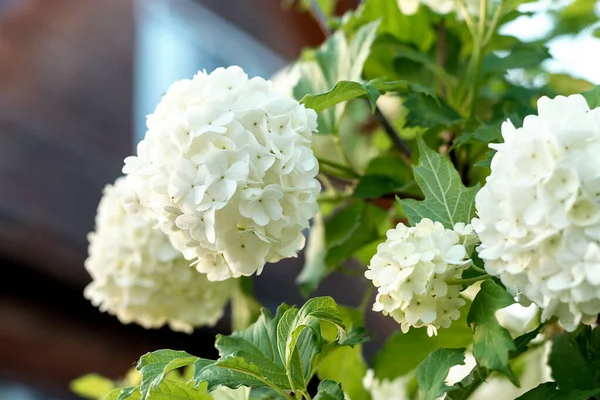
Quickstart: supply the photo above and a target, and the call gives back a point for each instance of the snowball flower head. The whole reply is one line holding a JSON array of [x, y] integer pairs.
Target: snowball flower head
[[539, 211], [412, 270], [227, 170], [139, 277]]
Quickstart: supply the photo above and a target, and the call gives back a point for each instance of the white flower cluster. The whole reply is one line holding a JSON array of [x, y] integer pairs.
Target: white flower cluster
[[410, 7], [412, 269], [539, 211], [227, 170], [381, 389], [139, 277]]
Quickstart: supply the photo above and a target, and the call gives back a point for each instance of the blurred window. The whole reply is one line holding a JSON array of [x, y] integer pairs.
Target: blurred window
[[177, 38]]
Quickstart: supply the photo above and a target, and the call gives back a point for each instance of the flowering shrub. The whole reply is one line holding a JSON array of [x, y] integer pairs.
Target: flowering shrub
[[405, 144]]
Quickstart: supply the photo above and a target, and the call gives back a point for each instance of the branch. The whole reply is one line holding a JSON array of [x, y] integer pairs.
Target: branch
[[398, 142]]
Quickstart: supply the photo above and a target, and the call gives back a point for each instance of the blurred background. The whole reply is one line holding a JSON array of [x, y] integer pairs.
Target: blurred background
[[77, 78]]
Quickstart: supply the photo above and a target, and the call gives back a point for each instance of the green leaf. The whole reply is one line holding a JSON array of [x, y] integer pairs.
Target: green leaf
[[548, 391], [348, 90], [487, 160], [414, 29], [574, 18], [274, 353], [313, 81], [336, 60], [566, 85], [491, 342], [131, 393], [521, 56], [315, 268], [247, 353], [385, 175], [391, 166], [208, 371], [432, 372], [255, 367], [342, 91], [415, 346], [156, 365], [592, 97], [447, 200], [352, 228], [294, 322], [359, 49], [483, 134], [375, 186], [91, 386], [522, 342], [347, 366], [329, 390], [170, 389], [406, 52], [479, 374], [253, 352], [428, 112], [569, 368]]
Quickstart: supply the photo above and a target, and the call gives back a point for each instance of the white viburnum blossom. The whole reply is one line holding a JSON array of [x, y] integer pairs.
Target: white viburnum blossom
[[539, 211], [227, 170], [381, 389], [412, 269], [140, 277], [410, 7]]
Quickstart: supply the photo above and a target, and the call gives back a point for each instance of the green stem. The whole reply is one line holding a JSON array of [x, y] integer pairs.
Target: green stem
[[306, 394], [339, 167], [476, 268], [477, 55], [492, 28], [467, 17], [468, 280], [288, 372], [482, 18]]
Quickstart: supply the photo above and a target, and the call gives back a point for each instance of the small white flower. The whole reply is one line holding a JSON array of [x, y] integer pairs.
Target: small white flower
[[227, 171], [412, 269], [138, 275], [539, 211]]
